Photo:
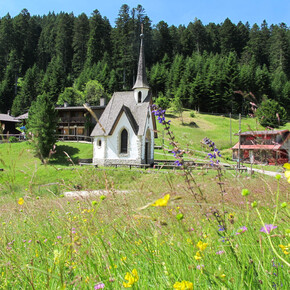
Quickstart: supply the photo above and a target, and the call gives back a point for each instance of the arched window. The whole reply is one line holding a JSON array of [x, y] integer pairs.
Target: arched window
[[124, 141], [139, 97]]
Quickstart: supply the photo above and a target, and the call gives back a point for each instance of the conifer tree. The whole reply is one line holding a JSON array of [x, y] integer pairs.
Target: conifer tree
[[41, 125]]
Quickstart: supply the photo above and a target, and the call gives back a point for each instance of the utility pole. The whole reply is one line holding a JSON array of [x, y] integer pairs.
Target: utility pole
[[239, 150], [231, 129]]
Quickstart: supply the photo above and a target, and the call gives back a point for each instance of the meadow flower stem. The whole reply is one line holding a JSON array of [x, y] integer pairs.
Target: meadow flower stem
[[248, 210], [277, 201], [270, 241]]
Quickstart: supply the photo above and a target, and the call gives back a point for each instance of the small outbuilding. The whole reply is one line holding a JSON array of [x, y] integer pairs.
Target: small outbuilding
[[8, 124], [269, 146]]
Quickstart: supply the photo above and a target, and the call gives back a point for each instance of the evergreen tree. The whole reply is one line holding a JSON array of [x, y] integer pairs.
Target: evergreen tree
[[27, 93], [54, 81], [6, 42], [230, 84], [63, 40], [263, 83], [228, 37], [99, 39], [41, 125], [280, 49], [271, 114], [8, 86], [46, 43], [80, 42]]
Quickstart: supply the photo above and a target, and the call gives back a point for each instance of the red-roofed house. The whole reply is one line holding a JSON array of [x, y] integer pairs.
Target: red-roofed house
[[272, 147]]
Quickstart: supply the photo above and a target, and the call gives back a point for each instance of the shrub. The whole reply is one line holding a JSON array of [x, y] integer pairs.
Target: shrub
[[271, 114], [13, 139], [162, 102], [192, 115]]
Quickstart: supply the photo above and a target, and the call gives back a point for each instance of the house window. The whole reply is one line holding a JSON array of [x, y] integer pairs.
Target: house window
[[139, 97], [99, 143], [124, 141]]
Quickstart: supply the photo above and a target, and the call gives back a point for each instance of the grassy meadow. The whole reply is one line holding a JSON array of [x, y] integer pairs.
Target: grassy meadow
[[150, 229]]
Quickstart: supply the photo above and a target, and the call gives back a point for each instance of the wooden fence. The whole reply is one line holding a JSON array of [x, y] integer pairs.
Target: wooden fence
[[21, 137]]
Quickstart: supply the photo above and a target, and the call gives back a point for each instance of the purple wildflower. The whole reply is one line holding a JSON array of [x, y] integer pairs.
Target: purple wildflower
[[29, 241], [267, 228], [58, 237], [99, 286], [241, 230], [178, 163], [221, 228], [214, 151], [220, 252], [199, 267]]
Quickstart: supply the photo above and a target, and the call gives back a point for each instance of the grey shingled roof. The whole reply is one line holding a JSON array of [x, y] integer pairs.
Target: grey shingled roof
[[22, 117], [265, 132], [7, 118], [119, 103]]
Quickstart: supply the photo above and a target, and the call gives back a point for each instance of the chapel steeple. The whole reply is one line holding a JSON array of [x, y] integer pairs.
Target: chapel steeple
[[141, 86]]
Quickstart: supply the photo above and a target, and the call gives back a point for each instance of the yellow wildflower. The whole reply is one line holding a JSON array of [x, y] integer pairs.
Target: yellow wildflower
[[162, 201], [287, 175], [287, 172], [197, 256], [131, 278], [20, 201], [184, 285], [123, 259], [285, 249], [202, 246]]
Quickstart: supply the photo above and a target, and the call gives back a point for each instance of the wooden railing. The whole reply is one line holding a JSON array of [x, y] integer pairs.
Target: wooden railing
[[6, 137], [21, 137], [62, 137]]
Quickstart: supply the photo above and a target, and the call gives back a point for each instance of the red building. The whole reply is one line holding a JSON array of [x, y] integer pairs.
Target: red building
[[272, 147]]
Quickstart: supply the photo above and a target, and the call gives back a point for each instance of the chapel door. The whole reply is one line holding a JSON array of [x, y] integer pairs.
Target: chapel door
[[146, 152]]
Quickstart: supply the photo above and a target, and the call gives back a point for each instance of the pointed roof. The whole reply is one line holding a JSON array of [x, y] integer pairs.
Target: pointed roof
[[123, 102], [141, 80]]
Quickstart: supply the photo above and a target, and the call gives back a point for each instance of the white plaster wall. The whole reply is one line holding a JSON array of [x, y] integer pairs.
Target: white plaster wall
[[144, 94], [149, 125], [99, 151], [113, 141]]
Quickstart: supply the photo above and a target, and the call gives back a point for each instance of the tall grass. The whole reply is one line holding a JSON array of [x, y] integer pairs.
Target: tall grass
[[209, 232], [82, 241]]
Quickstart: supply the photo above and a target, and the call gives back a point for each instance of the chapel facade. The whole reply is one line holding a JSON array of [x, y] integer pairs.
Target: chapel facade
[[125, 131]]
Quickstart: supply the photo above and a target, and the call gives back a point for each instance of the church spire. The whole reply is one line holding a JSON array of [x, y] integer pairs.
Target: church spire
[[141, 80]]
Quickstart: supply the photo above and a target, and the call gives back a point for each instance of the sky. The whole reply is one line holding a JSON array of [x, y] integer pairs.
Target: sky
[[174, 12]]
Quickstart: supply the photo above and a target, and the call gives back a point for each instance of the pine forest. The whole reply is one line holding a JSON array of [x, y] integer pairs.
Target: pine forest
[[217, 68]]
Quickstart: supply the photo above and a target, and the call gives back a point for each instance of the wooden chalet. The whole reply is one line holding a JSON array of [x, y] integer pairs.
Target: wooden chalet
[[271, 147], [8, 124]]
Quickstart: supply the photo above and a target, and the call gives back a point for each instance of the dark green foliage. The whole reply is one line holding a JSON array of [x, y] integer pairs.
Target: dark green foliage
[[203, 65], [72, 96], [27, 92], [162, 101], [41, 126], [271, 114]]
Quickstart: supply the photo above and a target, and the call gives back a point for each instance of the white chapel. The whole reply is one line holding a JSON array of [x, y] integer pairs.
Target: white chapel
[[125, 132]]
